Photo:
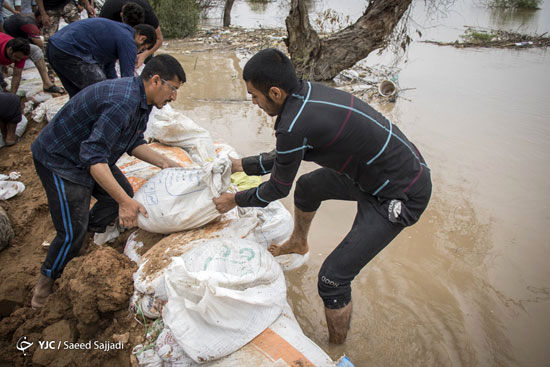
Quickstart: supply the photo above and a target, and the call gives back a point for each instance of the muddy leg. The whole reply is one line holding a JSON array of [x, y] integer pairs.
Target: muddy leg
[[338, 321], [297, 242]]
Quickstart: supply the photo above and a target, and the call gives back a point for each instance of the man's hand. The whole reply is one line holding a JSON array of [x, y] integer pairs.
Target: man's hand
[[46, 21], [236, 165], [168, 163], [225, 202], [128, 212], [91, 11]]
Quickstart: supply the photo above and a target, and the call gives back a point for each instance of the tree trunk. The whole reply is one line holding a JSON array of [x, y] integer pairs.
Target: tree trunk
[[227, 12], [323, 59]]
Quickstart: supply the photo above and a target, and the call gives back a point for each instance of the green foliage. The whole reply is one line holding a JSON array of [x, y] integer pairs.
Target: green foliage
[[516, 4], [178, 18]]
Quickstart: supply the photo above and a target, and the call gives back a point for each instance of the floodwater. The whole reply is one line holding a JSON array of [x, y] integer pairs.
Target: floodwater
[[469, 284]]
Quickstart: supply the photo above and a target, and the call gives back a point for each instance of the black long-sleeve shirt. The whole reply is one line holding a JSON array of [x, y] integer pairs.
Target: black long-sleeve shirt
[[335, 130]]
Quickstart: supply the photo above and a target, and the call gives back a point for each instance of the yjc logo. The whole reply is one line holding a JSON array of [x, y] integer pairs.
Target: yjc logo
[[23, 344]]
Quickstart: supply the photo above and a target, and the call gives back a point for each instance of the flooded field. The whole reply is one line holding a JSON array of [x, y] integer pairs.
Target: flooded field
[[469, 284]]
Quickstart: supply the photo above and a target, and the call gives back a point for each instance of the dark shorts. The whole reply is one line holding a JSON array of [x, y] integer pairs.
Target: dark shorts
[[377, 223], [75, 74], [10, 108]]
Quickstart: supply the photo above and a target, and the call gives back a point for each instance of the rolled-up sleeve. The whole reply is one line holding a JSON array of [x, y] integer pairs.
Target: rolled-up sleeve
[[287, 158]]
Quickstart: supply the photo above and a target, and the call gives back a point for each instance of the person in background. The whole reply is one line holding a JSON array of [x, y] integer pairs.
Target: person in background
[[14, 51], [85, 52], [11, 7], [25, 27], [51, 11], [113, 9], [363, 158], [10, 116], [75, 156], [28, 7]]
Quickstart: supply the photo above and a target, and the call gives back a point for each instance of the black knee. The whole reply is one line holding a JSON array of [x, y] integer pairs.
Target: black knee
[[335, 292], [304, 194]]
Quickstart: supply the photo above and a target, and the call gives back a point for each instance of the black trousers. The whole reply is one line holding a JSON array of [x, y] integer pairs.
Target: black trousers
[[75, 74], [72, 218], [373, 229]]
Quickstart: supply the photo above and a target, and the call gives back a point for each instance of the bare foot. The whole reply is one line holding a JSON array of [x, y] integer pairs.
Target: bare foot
[[289, 247]]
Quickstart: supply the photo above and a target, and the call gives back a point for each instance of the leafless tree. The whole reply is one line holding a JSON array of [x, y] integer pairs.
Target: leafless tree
[[227, 12], [318, 58]]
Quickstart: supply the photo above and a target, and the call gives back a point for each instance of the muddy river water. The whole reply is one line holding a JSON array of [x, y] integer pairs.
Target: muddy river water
[[469, 285]]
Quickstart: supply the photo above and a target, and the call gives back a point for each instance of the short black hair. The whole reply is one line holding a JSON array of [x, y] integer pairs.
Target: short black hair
[[149, 33], [133, 14], [165, 66], [270, 68], [19, 44]]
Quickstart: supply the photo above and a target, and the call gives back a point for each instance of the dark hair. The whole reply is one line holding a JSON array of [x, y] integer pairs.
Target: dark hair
[[132, 14], [149, 33], [270, 68], [19, 45], [165, 66]]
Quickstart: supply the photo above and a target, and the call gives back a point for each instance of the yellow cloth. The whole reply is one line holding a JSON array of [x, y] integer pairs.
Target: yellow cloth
[[245, 182]]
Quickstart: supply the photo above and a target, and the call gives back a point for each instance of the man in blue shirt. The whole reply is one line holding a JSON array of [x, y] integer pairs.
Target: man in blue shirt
[[75, 156], [85, 52]]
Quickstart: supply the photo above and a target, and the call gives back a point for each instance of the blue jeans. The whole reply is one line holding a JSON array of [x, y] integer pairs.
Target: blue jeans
[[72, 218]]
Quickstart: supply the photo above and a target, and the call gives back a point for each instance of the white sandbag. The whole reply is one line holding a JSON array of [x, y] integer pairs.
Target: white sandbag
[[173, 128], [178, 199], [221, 294], [170, 351], [49, 108], [275, 225], [138, 172], [9, 189], [147, 357]]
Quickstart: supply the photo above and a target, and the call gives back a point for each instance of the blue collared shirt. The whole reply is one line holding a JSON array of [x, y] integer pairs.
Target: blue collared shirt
[[99, 41], [98, 125]]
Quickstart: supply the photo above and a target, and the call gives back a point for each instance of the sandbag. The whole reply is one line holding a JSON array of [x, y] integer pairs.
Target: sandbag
[[221, 294], [173, 128], [138, 172], [178, 199]]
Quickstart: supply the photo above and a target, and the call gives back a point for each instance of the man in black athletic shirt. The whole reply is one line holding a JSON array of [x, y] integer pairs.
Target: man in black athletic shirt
[[364, 158]]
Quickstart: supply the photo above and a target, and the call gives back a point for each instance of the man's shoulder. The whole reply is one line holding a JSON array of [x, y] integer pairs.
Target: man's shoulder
[[122, 93]]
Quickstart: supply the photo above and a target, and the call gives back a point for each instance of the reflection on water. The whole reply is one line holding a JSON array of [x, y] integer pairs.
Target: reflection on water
[[512, 18], [469, 284]]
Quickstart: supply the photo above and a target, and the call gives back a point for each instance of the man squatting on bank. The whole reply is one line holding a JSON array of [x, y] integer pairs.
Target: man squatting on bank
[[364, 158], [75, 156]]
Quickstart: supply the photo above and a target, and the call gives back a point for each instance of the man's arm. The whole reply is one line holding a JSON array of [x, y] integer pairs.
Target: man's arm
[[45, 18], [128, 208], [145, 54], [89, 8], [145, 153], [10, 8], [16, 79]]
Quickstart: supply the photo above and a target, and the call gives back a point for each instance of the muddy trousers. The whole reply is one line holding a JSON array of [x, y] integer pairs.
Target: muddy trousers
[[75, 74], [72, 218], [370, 233]]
